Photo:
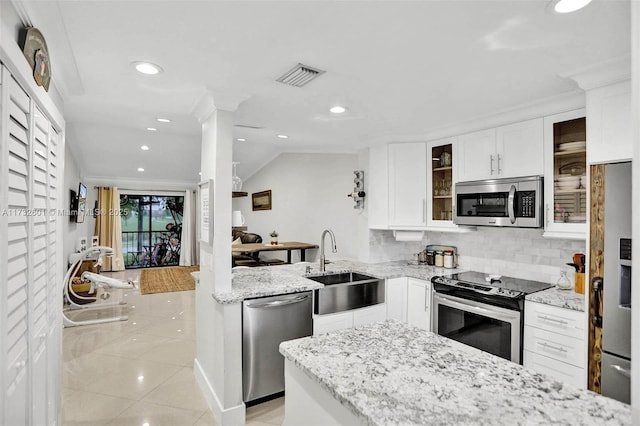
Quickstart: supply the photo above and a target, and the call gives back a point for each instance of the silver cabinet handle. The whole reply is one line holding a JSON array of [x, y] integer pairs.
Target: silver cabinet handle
[[555, 348], [424, 210], [547, 218], [499, 169], [563, 322], [623, 371], [491, 164]]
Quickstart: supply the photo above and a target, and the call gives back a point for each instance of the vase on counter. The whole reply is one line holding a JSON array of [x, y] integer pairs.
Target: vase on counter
[[274, 238]]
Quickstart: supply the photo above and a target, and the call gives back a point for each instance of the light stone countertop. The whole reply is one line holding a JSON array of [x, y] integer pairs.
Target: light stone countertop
[[390, 373], [567, 299], [248, 283]]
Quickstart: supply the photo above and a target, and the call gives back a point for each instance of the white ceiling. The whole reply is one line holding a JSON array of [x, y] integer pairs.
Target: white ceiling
[[402, 69]]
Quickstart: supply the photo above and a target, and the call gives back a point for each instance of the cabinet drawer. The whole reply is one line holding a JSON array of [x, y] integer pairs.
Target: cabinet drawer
[[563, 321], [556, 346], [332, 322], [555, 369], [370, 314]]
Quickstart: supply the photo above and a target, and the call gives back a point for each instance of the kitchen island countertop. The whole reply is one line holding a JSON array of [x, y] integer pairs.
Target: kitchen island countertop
[[393, 373]]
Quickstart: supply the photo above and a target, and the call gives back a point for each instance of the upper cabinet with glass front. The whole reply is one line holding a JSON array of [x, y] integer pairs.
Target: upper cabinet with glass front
[[566, 175], [441, 161]]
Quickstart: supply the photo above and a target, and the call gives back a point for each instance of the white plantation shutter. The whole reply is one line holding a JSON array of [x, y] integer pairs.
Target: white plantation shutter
[[31, 300]]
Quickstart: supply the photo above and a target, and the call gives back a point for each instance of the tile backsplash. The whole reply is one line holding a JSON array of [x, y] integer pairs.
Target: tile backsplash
[[515, 252]]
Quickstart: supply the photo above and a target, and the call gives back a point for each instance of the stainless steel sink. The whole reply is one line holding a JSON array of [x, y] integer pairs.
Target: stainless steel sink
[[341, 278], [345, 291]]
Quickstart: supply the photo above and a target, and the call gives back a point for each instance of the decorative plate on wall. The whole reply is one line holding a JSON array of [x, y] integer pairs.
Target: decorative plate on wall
[[34, 48]]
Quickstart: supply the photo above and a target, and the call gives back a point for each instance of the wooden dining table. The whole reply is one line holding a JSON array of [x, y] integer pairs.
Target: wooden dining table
[[287, 246]]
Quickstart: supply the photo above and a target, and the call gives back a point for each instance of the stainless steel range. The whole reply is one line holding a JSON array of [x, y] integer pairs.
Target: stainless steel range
[[482, 310]]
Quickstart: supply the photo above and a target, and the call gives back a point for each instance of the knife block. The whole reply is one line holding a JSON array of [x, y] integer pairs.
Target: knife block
[[579, 282]]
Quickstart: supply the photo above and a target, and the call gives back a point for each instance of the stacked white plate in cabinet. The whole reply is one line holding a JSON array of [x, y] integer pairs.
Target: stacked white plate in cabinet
[[572, 146], [567, 182]]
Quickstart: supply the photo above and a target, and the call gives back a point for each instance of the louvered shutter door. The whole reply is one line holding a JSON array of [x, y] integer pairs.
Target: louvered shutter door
[[31, 300], [16, 151]]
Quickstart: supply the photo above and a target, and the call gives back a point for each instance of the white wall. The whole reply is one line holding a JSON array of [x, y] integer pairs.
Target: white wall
[[309, 194], [74, 231]]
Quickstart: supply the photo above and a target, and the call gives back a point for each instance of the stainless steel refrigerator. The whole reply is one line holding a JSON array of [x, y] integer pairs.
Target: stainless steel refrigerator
[[616, 316]]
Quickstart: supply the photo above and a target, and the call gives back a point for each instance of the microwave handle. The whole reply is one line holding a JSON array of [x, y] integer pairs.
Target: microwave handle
[[512, 201]]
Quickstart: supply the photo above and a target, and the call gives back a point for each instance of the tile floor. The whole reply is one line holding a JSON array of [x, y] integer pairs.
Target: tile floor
[[140, 372]]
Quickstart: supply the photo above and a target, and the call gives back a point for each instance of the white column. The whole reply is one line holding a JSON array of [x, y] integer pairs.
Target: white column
[[218, 363]]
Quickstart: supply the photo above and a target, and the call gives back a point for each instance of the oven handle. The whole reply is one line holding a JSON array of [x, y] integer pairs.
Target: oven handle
[[471, 307], [512, 202]]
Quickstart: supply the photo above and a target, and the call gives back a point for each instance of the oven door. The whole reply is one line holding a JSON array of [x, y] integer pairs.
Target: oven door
[[486, 327]]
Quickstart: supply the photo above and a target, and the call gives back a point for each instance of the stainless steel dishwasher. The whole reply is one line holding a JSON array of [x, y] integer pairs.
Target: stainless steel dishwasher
[[266, 322]]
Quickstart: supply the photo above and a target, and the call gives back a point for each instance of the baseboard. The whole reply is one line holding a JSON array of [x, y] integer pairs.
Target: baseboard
[[230, 416]]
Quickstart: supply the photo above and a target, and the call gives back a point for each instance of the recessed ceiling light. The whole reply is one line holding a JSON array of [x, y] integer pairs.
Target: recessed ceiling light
[[147, 68], [568, 6], [200, 173], [163, 120], [338, 109], [283, 136], [140, 169], [241, 139], [151, 129], [144, 148]]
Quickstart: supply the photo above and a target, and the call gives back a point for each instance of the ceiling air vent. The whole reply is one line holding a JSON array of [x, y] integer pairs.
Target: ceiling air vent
[[299, 75]]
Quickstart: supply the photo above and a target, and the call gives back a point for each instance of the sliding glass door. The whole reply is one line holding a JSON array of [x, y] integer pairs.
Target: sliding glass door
[[151, 230]]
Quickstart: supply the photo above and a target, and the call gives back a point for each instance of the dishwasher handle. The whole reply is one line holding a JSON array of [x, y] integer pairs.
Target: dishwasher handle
[[277, 303]]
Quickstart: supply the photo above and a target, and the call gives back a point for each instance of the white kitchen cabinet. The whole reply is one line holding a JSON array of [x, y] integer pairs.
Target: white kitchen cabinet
[[566, 175], [332, 322], [477, 154], [396, 299], [513, 150], [342, 320], [369, 314], [419, 303], [377, 183], [609, 126], [408, 185], [554, 342]]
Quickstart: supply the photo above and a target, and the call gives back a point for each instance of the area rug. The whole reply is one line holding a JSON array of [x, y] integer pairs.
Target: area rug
[[165, 280]]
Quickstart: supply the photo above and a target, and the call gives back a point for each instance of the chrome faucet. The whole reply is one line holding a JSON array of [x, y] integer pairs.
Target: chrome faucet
[[334, 249]]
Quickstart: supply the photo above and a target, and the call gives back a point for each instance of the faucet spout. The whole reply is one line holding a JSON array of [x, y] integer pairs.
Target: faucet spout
[[334, 248]]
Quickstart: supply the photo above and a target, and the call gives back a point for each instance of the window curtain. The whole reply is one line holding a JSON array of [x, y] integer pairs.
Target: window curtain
[[109, 227], [188, 243]]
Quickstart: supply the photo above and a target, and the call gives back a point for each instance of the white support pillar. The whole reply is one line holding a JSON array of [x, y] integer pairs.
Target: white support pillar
[[218, 363]]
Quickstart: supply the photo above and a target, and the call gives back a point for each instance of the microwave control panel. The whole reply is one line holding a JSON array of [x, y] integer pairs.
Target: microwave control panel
[[525, 204]]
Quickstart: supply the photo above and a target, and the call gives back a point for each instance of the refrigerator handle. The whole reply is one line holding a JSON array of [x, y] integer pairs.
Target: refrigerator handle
[[597, 285]]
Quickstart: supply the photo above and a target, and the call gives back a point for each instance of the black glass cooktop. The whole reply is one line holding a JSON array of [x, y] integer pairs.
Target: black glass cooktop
[[482, 279]]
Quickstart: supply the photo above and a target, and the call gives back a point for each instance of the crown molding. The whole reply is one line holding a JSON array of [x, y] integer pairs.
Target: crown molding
[[215, 99], [601, 74]]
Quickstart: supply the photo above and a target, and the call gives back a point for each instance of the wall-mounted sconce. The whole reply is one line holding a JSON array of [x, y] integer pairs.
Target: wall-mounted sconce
[[358, 189]]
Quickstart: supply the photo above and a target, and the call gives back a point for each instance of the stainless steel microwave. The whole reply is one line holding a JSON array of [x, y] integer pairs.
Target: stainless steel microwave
[[514, 202]]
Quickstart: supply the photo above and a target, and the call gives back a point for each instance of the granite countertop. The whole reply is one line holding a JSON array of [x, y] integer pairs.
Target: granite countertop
[[553, 296], [266, 281], [393, 373]]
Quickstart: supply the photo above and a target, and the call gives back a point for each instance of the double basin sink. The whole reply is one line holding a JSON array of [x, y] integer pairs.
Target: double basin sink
[[344, 291]]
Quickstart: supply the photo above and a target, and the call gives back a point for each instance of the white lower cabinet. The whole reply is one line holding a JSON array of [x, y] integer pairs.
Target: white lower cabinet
[[341, 320], [397, 299], [419, 303], [554, 343]]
